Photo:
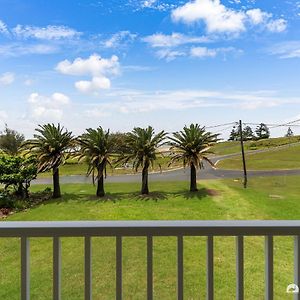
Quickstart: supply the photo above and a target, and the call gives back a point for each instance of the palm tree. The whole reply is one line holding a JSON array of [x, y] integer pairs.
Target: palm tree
[[142, 147], [96, 145], [191, 145], [51, 148]]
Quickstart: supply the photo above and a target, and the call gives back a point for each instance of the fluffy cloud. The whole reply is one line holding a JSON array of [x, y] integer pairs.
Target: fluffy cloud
[[49, 32], [279, 25], [203, 52], [220, 19], [172, 40], [216, 16], [7, 78], [119, 39], [96, 66], [47, 108], [93, 86]]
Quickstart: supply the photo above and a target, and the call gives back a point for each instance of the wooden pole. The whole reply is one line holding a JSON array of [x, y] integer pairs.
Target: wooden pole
[[243, 155]]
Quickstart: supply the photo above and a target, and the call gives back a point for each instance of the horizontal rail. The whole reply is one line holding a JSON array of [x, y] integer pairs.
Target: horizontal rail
[[146, 228]]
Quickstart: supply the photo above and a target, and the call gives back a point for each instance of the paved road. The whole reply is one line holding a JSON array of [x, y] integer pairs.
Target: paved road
[[182, 174], [176, 175]]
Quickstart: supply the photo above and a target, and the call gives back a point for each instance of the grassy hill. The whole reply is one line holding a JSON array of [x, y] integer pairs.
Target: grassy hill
[[224, 199], [224, 148], [282, 158]]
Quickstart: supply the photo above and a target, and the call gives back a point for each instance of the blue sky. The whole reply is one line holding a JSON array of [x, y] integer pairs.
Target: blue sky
[[121, 64]]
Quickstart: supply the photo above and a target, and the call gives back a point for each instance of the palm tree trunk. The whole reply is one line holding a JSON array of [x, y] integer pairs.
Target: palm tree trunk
[[145, 189], [100, 183], [193, 183], [56, 186]]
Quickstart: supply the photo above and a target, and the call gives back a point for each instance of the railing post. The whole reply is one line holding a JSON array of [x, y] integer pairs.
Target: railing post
[[210, 268], [25, 268], [118, 268], [56, 268], [149, 268], [180, 267], [239, 267], [269, 267], [296, 264], [87, 268]]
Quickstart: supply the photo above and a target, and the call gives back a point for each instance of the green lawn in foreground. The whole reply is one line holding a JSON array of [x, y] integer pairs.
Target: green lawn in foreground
[[266, 198], [285, 158]]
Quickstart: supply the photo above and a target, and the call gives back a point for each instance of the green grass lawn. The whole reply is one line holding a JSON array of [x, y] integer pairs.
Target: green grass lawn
[[224, 199], [286, 158]]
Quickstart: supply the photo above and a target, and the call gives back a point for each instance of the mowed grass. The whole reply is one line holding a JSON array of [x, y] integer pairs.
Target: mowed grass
[[284, 158], [266, 198]]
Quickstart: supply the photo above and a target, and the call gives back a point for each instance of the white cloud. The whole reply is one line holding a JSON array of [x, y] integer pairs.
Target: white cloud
[[3, 28], [137, 101], [289, 49], [203, 52], [93, 86], [278, 25], [257, 16], [216, 16], [7, 78], [49, 32], [221, 19], [16, 49], [168, 54], [119, 39], [175, 39], [47, 108], [96, 66]]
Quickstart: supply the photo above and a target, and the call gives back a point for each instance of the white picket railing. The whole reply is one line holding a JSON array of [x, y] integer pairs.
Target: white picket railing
[[150, 229]]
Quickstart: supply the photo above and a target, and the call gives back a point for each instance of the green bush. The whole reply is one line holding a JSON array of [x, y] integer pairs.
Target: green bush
[[5, 200]]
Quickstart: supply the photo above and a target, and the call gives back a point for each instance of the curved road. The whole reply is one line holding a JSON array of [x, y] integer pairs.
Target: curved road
[[175, 175]]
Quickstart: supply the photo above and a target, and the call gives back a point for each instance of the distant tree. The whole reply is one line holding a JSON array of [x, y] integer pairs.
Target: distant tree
[[51, 147], [248, 134], [191, 146], [119, 142], [234, 134], [10, 141], [141, 150], [17, 172], [289, 132], [262, 131], [96, 146]]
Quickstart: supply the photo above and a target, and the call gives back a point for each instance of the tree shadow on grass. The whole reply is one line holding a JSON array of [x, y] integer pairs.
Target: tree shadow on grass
[[199, 195]]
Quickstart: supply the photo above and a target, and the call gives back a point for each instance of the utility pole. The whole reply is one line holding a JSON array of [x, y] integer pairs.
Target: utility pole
[[243, 155]]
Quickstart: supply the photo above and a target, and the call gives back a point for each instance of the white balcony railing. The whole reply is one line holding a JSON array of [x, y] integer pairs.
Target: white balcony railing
[[150, 229]]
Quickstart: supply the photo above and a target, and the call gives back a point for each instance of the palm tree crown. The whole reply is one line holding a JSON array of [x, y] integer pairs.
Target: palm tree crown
[[142, 147], [96, 145], [192, 146], [51, 148]]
